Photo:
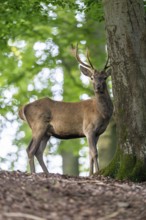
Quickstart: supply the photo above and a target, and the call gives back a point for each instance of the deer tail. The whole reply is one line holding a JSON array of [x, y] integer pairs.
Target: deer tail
[[22, 113]]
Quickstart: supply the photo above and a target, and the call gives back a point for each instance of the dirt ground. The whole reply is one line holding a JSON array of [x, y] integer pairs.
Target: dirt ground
[[60, 197]]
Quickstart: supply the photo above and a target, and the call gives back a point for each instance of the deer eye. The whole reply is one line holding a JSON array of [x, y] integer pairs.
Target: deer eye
[[92, 77]]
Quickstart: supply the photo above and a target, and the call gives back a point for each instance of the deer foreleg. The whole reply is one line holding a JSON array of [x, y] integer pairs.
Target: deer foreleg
[[92, 140], [91, 163]]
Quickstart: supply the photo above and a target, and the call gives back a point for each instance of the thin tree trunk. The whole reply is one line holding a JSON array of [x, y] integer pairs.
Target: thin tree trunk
[[70, 163], [126, 38]]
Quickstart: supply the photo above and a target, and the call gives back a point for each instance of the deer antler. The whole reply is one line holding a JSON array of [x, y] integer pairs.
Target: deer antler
[[87, 55], [106, 64], [75, 54]]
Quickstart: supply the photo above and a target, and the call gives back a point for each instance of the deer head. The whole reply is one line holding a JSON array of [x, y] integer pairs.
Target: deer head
[[98, 77]]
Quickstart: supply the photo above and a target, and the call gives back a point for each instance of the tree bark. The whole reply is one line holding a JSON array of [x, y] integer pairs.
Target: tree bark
[[126, 39]]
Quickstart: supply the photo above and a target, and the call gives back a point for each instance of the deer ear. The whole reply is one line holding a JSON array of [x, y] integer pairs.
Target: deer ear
[[86, 71]]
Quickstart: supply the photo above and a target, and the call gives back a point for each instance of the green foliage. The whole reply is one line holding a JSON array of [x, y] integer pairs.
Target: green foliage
[[94, 9], [29, 18]]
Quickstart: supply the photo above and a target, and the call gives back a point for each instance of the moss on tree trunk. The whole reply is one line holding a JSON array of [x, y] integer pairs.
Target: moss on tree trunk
[[125, 166]]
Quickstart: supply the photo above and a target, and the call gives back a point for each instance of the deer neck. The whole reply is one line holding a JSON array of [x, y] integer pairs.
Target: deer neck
[[104, 104]]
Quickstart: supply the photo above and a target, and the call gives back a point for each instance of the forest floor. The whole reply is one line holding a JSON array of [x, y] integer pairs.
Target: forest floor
[[60, 197]]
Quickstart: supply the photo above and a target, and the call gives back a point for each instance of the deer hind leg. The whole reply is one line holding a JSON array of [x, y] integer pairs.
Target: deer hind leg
[[34, 145], [31, 158], [92, 141], [39, 153], [37, 137]]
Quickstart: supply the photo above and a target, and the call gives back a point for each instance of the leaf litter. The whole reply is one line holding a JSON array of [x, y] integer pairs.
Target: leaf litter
[[26, 196]]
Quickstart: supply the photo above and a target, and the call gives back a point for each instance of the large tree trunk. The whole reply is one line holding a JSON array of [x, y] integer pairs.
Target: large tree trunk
[[126, 39]]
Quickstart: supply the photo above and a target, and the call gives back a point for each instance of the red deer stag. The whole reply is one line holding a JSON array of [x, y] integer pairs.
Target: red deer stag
[[66, 120]]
